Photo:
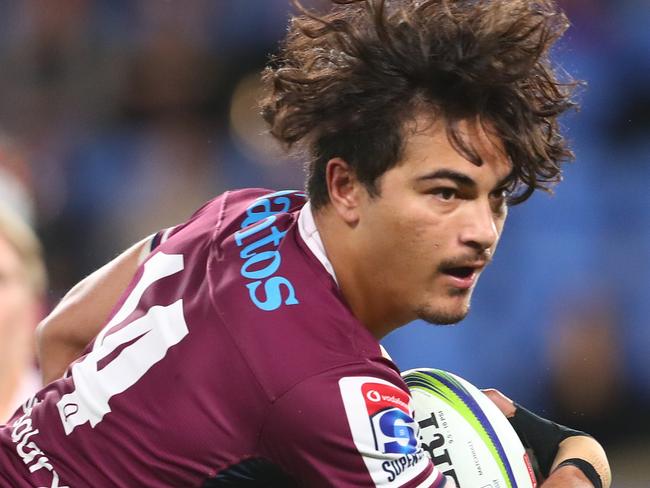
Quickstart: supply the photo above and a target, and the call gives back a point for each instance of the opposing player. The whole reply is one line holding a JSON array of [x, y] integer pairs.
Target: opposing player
[[244, 351]]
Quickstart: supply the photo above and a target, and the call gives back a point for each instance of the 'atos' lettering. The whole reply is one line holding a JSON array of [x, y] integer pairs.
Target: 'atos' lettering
[[261, 266]]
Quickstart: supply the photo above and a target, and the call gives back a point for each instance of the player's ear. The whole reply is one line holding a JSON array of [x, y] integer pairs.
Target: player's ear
[[344, 189]]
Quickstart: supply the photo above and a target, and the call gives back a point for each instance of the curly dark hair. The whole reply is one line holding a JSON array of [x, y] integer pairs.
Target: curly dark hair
[[345, 82]]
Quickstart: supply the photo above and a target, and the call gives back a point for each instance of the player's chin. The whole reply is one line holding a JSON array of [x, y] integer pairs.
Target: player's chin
[[447, 314]]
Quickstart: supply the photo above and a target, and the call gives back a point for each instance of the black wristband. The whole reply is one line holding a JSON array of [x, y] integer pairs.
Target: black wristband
[[587, 469], [540, 435]]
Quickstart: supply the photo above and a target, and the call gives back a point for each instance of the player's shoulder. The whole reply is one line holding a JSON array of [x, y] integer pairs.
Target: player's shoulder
[[231, 212], [281, 200], [260, 202], [248, 207]]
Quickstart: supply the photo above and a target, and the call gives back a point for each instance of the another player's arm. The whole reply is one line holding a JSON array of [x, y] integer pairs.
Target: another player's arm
[[570, 462], [75, 321]]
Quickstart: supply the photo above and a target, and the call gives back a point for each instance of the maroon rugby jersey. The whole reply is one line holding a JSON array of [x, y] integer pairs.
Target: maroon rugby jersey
[[231, 360]]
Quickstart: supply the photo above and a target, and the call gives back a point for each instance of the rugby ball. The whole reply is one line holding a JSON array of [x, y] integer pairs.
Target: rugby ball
[[465, 434]]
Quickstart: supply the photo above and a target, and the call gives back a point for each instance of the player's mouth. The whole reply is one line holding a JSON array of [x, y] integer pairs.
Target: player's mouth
[[463, 277]]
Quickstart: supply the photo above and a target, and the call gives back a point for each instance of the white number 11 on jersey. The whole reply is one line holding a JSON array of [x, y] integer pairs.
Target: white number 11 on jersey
[[152, 335]]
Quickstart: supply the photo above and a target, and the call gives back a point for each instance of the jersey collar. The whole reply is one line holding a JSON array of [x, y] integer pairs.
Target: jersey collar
[[309, 233]]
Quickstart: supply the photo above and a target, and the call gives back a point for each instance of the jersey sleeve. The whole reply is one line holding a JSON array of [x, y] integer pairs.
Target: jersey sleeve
[[348, 431]]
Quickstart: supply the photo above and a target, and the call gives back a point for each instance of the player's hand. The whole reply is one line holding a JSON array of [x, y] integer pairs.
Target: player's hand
[[576, 455]]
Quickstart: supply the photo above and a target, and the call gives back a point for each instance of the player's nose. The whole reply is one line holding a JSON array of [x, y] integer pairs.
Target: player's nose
[[479, 229]]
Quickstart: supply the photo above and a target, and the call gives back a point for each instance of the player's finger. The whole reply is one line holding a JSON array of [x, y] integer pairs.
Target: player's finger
[[505, 404]]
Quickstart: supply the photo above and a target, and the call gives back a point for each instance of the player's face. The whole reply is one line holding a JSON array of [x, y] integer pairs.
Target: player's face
[[436, 223]]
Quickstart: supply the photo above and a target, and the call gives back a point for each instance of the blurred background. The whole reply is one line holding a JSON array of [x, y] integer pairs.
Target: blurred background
[[120, 117]]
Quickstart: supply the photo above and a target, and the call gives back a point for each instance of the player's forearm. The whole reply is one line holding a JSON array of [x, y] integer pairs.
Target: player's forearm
[[75, 321]]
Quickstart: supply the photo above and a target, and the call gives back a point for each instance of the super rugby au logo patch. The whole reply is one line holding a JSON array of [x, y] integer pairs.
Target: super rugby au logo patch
[[380, 416]]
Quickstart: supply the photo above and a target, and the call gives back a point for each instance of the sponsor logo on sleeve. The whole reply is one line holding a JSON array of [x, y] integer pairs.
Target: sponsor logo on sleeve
[[380, 416], [259, 240], [24, 435]]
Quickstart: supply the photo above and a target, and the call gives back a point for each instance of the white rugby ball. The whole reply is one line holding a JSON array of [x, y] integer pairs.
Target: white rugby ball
[[466, 435]]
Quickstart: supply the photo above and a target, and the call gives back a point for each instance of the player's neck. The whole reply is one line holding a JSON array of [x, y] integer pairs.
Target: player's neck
[[356, 283]]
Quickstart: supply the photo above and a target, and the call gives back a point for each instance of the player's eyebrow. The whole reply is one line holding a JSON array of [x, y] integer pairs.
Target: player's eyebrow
[[448, 174], [461, 178]]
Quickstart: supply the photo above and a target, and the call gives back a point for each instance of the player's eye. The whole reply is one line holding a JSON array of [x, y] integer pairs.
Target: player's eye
[[499, 198], [500, 194], [445, 193]]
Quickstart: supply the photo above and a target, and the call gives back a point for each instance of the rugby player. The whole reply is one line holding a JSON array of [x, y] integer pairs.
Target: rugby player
[[240, 348]]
